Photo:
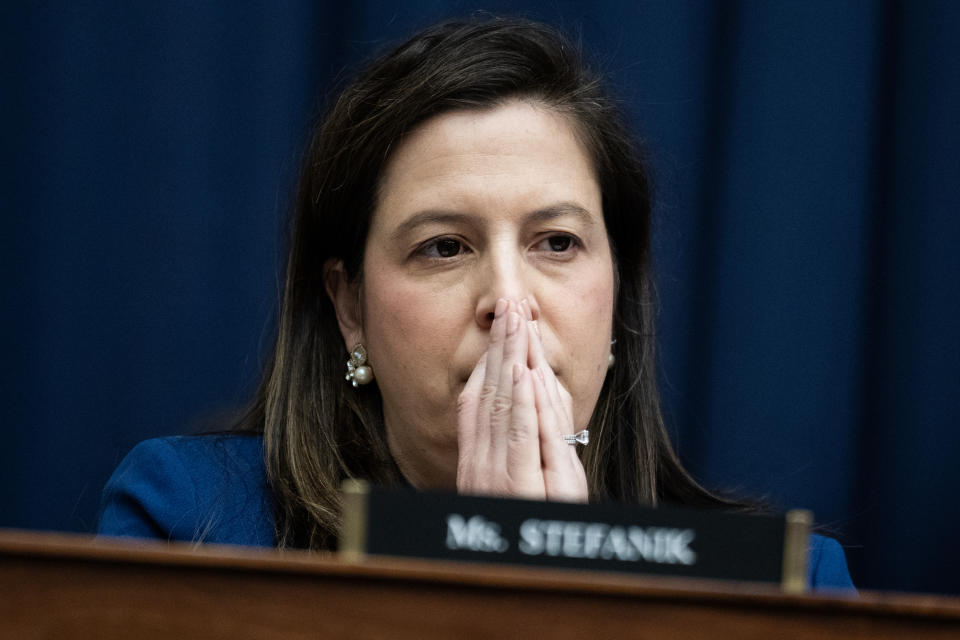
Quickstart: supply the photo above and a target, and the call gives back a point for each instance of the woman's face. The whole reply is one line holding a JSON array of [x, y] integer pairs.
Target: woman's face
[[476, 206]]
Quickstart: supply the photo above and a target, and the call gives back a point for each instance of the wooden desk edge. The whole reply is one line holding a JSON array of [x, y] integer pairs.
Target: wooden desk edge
[[65, 546]]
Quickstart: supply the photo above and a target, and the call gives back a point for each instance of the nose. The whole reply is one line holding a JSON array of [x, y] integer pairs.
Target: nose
[[503, 275]]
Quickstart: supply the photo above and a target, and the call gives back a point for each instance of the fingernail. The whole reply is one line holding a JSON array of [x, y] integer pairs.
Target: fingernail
[[540, 373], [525, 309], [517, 372], [536, 327], [501, 307], [513, 322]]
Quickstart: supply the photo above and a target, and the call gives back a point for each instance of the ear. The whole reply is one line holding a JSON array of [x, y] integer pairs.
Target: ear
[[345, 297]]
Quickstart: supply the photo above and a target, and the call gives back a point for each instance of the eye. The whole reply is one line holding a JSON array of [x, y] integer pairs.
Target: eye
[[441, 248], [558, 243]]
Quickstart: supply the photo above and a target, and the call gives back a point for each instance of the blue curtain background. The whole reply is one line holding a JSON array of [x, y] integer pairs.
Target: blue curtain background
[[806, 237]]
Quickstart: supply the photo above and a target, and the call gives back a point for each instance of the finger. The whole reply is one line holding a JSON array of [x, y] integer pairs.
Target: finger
[[566, 401], [563, 476], [555, 392], [536, 358], [491, 377], [502, 428], [567, 424], [525, 311], [549, 429], [552, 388], [523, 463], [467, 406]]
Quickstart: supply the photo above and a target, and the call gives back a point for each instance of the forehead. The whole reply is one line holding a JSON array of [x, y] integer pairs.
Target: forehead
[[513, 155]]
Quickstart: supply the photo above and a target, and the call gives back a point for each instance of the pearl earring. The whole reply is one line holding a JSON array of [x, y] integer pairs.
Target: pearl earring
[[357, 372], [611, 358]]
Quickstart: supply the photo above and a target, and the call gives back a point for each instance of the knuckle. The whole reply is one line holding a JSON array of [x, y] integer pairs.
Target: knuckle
[[501, 406], [488, 391], [517, 435]]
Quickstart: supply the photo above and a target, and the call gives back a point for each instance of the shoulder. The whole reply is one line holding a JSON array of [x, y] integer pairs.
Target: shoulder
[[191, 488], [828, 565]]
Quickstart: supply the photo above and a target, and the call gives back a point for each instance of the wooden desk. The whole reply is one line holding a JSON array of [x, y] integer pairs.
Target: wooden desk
[[62, 586]]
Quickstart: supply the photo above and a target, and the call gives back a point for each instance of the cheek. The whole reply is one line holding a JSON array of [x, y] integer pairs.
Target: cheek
[[584, 330], [409, 329], [587, 311], [392, 315]]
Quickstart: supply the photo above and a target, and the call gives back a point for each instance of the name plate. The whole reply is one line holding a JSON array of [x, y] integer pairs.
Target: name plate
[[671, 541]]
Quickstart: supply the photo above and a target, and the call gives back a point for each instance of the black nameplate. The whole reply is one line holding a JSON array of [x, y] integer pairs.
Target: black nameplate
[[669, 541]]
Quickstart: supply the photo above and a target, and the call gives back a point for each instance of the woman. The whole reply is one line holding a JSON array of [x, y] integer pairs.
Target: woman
[[471, 237]]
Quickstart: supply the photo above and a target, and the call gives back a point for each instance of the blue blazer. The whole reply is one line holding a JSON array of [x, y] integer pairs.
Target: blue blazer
[[214, 489]]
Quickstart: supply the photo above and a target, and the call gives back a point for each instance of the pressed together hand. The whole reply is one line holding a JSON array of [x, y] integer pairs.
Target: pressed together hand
[[513, 414]]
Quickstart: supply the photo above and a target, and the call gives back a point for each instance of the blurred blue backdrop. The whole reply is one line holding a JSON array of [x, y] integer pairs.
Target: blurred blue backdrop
[[808, 219]]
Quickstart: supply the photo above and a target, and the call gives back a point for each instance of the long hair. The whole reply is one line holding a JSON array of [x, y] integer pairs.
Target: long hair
[[319, 430]]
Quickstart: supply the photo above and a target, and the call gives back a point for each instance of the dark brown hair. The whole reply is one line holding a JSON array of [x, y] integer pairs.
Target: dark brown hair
[[318, 429]]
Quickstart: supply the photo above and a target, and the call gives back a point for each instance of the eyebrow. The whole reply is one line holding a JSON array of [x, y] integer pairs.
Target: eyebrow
[[551, 212]]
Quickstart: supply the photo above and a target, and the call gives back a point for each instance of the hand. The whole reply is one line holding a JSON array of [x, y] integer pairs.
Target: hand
[[512, 416]]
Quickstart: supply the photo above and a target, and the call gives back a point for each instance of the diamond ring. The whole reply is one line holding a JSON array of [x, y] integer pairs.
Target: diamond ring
[[583, 438]]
